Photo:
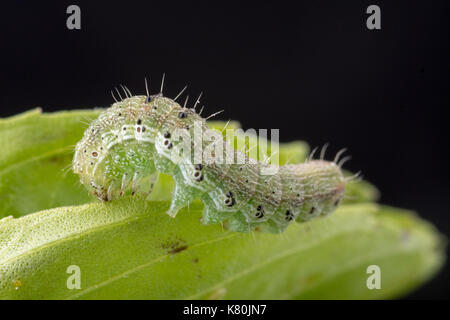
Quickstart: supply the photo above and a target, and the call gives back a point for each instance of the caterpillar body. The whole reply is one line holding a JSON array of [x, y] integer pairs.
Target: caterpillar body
[[122, 152]]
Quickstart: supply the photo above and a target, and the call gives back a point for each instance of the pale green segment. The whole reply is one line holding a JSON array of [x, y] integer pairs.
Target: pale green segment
[[123, 151], [129, 249]]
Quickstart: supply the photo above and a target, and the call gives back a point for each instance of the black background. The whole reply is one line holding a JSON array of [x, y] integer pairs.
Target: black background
[[312, 70]]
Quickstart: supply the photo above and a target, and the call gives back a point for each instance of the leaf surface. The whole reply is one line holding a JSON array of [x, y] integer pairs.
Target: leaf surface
[[130, 249]]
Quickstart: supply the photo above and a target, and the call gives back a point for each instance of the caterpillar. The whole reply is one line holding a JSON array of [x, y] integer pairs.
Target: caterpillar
[[137, 137]]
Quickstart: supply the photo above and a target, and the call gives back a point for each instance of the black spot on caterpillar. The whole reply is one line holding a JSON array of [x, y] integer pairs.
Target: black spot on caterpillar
[[122, 152]]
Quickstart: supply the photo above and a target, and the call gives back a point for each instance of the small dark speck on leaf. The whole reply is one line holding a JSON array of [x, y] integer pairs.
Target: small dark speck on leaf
[[175, 246], [178, 249]]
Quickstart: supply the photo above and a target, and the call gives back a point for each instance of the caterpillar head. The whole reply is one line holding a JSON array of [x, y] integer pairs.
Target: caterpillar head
[[111, 153]]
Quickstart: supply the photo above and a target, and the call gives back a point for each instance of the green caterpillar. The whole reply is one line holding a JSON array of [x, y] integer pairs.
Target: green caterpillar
[[122, 152]]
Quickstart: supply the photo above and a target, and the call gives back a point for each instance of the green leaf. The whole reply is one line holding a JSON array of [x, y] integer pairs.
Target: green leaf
[[130, 249], [35, 159]]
